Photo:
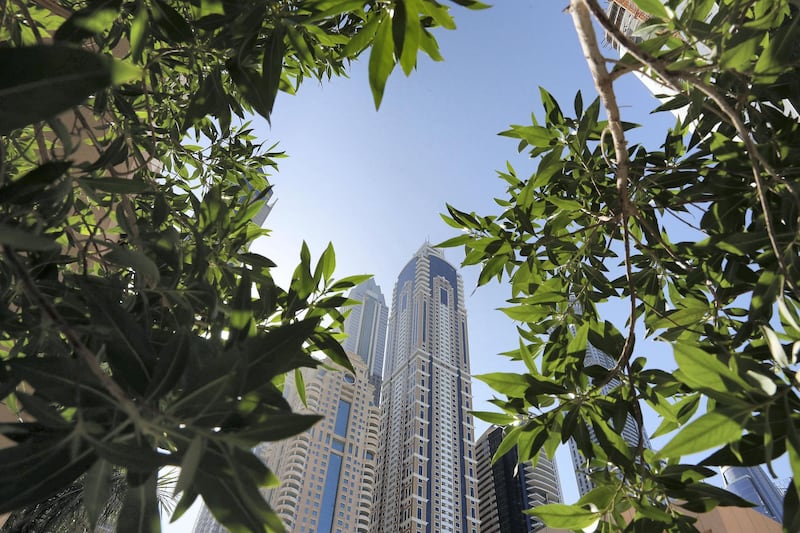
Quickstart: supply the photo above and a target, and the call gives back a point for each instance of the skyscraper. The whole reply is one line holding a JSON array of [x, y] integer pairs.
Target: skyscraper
[[327, 473], [366, 329], [754, 485], [626, 16], [507, 488], [427, 476], [629, 431]]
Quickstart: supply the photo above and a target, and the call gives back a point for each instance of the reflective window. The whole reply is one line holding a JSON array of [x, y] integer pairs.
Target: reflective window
[[342, 418], [329, 496]]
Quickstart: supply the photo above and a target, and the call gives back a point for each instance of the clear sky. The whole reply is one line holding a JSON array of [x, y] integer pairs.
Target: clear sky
[[374, 183]]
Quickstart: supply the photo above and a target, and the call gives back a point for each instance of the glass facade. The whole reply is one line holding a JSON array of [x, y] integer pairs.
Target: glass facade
[[342, 418], [507, 488], [329, 496], [754, 485]]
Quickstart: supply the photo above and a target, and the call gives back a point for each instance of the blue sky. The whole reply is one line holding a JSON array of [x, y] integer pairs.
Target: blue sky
[[374, 183]]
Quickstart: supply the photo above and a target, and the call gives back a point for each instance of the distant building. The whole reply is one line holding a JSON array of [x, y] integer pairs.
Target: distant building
[[365, 327], [507, 488], [754, 485], [427, 475], [266, 208], [328, 472], [626, 16]]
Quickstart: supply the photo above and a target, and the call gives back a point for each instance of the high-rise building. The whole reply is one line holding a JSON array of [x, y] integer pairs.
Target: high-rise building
[[626, 16], [754, 485], [365, 327], [427, 473], [508, 487], [327, 473], [629, 431]]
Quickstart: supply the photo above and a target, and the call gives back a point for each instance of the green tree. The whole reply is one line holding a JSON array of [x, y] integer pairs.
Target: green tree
[[697, 239], [137, 330]]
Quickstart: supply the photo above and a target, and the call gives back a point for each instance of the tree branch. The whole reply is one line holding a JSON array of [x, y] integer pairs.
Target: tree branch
[[676, 81], [582, 21]]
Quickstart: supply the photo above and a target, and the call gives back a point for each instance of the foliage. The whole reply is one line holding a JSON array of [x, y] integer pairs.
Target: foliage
[[65, 512], [696, 242], [136, 327]]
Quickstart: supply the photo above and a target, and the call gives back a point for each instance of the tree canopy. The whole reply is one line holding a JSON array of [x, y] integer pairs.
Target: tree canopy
[[137, 329], [697, 239]]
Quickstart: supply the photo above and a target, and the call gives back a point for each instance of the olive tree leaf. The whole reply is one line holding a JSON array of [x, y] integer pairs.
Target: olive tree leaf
[[41, 81]]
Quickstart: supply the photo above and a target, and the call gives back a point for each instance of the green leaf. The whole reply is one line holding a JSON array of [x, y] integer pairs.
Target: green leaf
[[139, 513], [139, 29], [271, 67], [411, 27], [501, 419], [711, 429], [19, 239], [510, 439], [300, 45], [559, 515], [41, 410], [35, 469], [300, 386], [124, 72], [96, 489], [237, 504], [189, 464], [471, 4], [116, 185], [332, 9], [170, 364], [508, 383], [654, 7], [328, 262], [381, 58], [739, 56], [702, 370], [171, 22], [25, 189], [41, 81], [359, 42], [145, 268], [277, 426]]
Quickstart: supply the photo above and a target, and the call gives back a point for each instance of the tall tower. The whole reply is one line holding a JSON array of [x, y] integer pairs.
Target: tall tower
[[327, 473], [629, 431], [365, 327], [753, 484], [427, 473], [508, 487]]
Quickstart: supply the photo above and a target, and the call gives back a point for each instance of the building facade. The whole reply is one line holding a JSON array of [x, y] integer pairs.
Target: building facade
[[507, 487], [754, 485], [365, 327], [327, 473], [427, 472]]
